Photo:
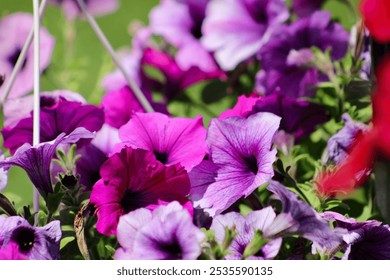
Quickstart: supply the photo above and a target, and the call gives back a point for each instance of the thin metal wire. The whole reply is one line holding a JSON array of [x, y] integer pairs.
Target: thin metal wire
[[106, 44], [22, 56]]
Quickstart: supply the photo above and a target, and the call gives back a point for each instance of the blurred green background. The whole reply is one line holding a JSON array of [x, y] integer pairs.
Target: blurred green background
[[79, 61]]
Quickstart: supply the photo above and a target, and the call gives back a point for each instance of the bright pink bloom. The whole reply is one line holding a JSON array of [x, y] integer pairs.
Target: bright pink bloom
[[376, 16]]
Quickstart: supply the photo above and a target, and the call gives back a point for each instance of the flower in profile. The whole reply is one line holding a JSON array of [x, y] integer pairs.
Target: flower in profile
[[35, 160], [95, 7], [35, 243], [166, 233], [56, 118], [132, 179], [237, 29], [245, 228], [11, 252], [14, 30], [339, 144], [376, 18], [171, 140], [305, 8], [369, 240], [297, 217], [286, 58], [241, 156]]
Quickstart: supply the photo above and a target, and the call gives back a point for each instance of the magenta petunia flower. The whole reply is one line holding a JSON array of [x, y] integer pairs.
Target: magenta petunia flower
[[245, 227], [243, 107], [241, 156], [237, 29], [35, 160], [167, 233], [95, 7], [286, 57], [63, 116], [35, 243], [11, 252], [172, 140], [133, 179], [14, 30]]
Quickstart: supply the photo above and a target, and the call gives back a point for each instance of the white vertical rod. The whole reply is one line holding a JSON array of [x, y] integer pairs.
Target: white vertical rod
[[36, 115]]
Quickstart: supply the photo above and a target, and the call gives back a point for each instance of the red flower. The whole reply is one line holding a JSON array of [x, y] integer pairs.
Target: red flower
[[376, 16]]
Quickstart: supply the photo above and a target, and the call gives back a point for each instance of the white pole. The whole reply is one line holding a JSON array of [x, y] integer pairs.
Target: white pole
[[106, 44], [36, 115], [10, 82]]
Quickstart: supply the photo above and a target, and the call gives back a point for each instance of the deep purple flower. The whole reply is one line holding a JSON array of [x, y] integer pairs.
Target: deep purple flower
[[133, 179], [245, 227], [35, 160], [241, 157], [11, 252], [95, 7], [297, 217], [177, 79], [14, 30], [237, 29], [305, 8], [369, 240], [286, 58], [339, 144], [36, 243], [61, 117], [180, 22], [118, 113], [299, 117], [167, 233], [172, 140]]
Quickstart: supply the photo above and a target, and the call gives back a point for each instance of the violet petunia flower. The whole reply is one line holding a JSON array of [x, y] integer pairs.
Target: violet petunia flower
[[35, 160], [171, 140], [95, 7], [241, 158], [287, 58], [56, 118], [245, 227], [11, 252], [14, 30], [133, 179], [297, 217], [305, 8], [338, 145], [369, 240], [167, 233], [237, 29], [36, 243]]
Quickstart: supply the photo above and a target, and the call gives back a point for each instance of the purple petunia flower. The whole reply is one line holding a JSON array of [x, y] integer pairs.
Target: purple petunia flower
[[180, 22], [36, 243], [339, 144], [172, 140], [245, 227], [14, 30], [133, 179], [243, 107], [95, 7], [35, 160], [297, 217], [305, 8], [237, 29], [241, 158], [167, 233], [11, 252], [369, 240], [63, 116], [286, 57]]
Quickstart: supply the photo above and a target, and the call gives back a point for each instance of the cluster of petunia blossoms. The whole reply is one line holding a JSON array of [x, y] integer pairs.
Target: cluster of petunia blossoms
[[282, 169]]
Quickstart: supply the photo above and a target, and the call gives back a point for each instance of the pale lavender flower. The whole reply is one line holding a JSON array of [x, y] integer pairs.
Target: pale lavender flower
[[167, 233], [245, 228], [36, 243]]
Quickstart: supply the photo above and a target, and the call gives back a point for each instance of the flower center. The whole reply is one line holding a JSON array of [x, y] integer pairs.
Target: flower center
[[251, 164], [24, 237], [161, 157], [132, 201], [13, 58], [173, 249]]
